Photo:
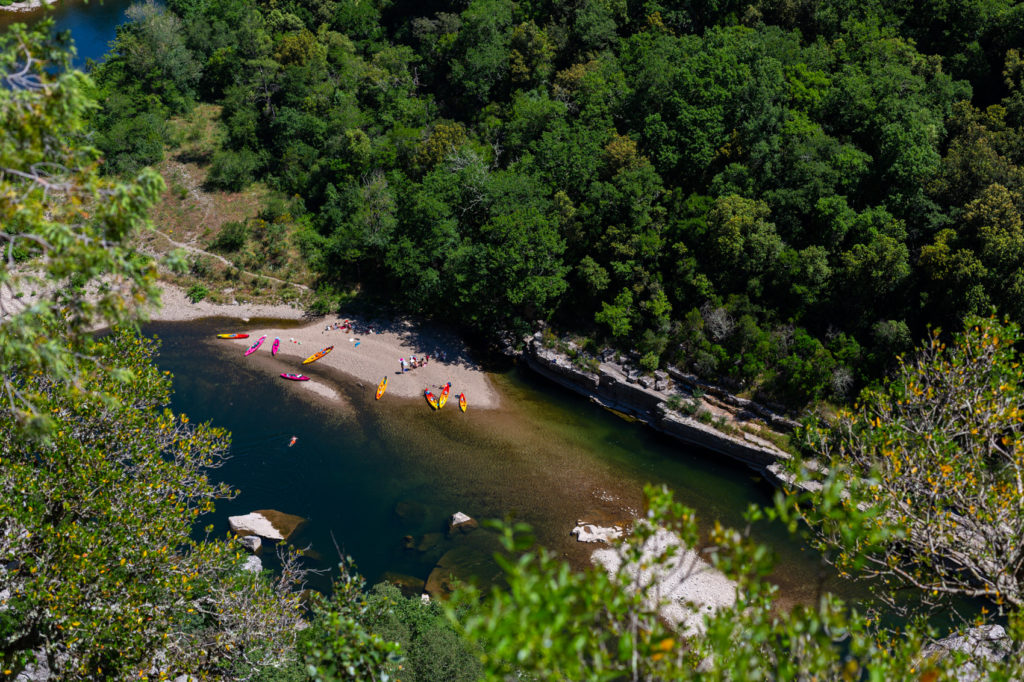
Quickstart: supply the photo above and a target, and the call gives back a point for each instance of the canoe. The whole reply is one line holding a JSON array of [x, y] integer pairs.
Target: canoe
[[277, 344], [462, 402], [430, 398], [294, 377], [253, 347], [317, 355], [381, 386], [232, 336], [444, 395]]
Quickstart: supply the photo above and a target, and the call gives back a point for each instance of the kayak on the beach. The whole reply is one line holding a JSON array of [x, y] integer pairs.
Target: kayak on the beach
[[381, 386], [431, 400], [294, 377], [317, 355], [253, 347], [232, 336], [277, 344], [462, 402], [444, 395]]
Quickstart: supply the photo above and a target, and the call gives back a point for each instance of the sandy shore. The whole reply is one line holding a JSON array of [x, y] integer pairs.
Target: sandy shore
[[380, 345]]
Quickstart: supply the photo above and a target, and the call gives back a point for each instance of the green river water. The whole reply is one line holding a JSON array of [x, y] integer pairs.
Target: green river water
[[367, 474]]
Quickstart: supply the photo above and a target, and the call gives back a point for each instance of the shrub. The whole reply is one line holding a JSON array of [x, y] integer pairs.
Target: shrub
[[233, 170], [232, 236], [197, 292], [649, 362]]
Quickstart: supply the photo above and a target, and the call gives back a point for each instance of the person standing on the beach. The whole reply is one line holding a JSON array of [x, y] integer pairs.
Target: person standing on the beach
[[401, 361]]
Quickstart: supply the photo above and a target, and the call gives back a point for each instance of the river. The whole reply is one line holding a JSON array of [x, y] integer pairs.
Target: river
[[92, 25], [369, 474]]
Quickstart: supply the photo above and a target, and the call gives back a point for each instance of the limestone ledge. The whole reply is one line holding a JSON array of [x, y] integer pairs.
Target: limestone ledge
[[612, 388]]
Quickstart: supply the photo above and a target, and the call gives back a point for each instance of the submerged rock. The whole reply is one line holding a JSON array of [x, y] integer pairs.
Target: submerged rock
[[461, 564], [410, 511], [429, 541], [267, 523], [408, 584]]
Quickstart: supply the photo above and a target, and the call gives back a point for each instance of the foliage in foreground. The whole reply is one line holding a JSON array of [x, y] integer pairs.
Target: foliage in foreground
[[101, 576], [556, 624], [63, 227], [931, 466]]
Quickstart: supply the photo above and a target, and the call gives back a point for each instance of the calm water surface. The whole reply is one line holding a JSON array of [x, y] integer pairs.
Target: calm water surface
[[367, 474], [92, 25]]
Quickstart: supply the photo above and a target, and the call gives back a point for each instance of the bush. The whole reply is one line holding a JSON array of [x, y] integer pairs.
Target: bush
[[233, 170], [649, 362], [232, 237], [197, 292]]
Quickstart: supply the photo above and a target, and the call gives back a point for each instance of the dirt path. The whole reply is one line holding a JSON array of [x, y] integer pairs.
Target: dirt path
[[225, 261]]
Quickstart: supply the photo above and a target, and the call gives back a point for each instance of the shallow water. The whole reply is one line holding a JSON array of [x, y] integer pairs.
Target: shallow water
[[367, 473]]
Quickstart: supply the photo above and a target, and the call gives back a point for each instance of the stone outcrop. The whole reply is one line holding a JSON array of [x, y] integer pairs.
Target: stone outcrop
[[461, 523], [984, 642], [269, 524], [252, 564], [251, 543], [620, 389]]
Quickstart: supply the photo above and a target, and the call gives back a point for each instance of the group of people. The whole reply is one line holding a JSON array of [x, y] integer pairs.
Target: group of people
[[343, 326], [413, 362]]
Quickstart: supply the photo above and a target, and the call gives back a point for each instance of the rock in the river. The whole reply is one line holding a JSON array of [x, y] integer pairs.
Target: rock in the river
[[588, 532], [408, 584], [985, 642], [251, 543], [408, 542], [253, 564], [459, 564], [461, 522], [267, 523], [645, 381]]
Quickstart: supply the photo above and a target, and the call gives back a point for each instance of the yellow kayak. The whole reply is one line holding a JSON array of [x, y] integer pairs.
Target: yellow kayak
[[381, 386], [317, 355], [444, 395]]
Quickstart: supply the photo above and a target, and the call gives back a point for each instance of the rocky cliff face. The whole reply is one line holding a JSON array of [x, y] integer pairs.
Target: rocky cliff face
[[644, 398]]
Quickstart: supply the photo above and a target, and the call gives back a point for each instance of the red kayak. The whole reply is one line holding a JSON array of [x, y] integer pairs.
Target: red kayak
[[294, 377], [232, 336], [253, 347], [277, 344]]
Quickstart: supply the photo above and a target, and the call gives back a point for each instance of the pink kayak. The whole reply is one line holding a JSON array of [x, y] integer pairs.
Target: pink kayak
[[253, 347], [294, 377], [277, 344]]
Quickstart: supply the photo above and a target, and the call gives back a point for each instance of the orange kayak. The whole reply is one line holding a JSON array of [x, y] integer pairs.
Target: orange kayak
[[430, 398], [462, 402], [317, 355], [381, 386]]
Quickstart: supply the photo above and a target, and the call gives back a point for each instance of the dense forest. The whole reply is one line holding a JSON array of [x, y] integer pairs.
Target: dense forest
[[777, 195]]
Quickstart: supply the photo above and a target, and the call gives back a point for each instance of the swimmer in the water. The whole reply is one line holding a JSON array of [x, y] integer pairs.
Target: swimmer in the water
[[294, 438]]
